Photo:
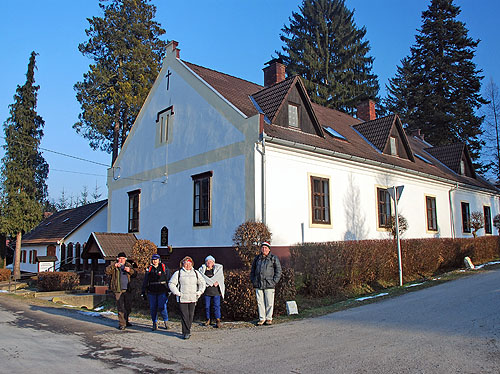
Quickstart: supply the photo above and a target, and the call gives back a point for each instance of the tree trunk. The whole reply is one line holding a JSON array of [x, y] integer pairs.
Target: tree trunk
[[17, 257]]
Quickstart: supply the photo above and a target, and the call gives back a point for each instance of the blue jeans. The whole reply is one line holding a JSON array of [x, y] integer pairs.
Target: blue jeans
[[158, 302], [215, 300]]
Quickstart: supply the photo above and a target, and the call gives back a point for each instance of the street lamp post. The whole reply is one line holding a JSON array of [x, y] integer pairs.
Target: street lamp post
[[395, 193]]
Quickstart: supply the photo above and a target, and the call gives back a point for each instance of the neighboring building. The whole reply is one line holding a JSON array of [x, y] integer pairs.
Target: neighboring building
[[63, 235], [209, 151]]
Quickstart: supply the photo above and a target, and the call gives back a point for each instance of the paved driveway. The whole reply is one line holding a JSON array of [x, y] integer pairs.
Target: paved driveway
[[450, 328]]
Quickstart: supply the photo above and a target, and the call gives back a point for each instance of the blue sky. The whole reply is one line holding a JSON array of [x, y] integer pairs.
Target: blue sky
[[234, 37]]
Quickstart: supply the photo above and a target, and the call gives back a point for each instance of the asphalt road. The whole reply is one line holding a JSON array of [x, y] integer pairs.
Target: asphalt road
[[450, 328]]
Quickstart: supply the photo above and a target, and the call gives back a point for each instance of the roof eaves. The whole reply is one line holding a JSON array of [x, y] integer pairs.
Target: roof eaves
[[259, 109], [101, 206]]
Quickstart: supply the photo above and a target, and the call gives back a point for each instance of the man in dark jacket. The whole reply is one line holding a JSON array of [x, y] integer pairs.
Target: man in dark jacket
[[265, 274], [120, 272]]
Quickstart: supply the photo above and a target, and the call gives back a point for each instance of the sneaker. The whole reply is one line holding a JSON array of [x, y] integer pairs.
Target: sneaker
[[187, 336], [268, 322], [165, 324], [121, 327], [207, 322], [129, 324], [217, 323], [261, 322], [153, 328]]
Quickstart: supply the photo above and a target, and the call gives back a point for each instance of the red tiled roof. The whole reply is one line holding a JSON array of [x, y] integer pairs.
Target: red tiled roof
[[450, 155], [61, 224], [270, 98], [377, 131]]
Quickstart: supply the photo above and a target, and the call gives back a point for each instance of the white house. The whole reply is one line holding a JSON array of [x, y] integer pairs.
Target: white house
[[209, 151], [62, 236]]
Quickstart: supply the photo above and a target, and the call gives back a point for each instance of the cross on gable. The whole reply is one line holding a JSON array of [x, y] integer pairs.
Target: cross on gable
[[169, 73]]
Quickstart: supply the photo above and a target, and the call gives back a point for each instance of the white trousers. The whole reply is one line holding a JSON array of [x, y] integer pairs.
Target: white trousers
[[265, 303]]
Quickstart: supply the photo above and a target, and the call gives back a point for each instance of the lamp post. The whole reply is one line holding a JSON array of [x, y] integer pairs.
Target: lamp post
[[395, 193]]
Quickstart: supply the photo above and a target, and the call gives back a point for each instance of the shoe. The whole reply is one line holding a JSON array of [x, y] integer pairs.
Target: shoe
[[165, 324], [187, 336], [217, 323], [129, 324], [153, 328], [121, 327], [261, 322], [207, 323], [268, 322]]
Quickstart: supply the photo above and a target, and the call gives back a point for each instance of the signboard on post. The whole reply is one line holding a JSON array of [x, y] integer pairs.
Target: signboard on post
[[46, 263], [395, 193]]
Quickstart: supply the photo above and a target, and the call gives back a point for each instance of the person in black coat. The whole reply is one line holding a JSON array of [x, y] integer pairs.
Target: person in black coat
[[155, 290]]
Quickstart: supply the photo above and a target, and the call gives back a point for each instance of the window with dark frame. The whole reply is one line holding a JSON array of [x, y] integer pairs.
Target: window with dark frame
[[488, 229], [465, 217], [133, 210], [35, 254], [201, 199], [384, 208], [320, 193], [430, 203], [293, 115], [23, 257]]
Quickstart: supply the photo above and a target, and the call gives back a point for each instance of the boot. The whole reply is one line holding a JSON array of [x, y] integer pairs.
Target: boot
[[207, 323], [153, 328], [166, 325], [217, 323]]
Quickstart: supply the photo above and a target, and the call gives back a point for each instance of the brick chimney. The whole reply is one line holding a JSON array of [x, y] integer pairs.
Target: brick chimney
[[366, 110], [417, 134], [274, 72]]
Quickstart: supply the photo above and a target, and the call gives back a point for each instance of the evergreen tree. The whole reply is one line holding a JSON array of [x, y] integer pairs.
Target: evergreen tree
[[491, 135], [96, 194], [324, 46], [62, 203], [127, 52], [24, 170], [437, 88]]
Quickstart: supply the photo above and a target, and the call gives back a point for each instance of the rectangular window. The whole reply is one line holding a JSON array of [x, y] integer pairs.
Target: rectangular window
[[201, 199], [133, 210], [164, 121], [35, 254], [293, 115], [430, 203], [465, 217], [394, 148], [23, 256], [384, 208], [320, 193], [487, 220]]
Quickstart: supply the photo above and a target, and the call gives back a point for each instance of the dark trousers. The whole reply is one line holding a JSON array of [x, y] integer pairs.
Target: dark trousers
[[158, 302], [187, 315], [124, 306], [215, 301]]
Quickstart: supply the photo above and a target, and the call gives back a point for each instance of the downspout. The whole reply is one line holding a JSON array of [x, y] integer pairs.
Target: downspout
[[263, 168], [452, 219]]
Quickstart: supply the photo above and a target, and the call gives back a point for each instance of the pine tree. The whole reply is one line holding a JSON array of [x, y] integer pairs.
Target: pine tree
[[324, 46], [437, 88], [24, 169], [127, 52]]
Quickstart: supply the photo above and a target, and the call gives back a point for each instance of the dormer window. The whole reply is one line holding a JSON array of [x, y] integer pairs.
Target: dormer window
[[293, 115], [462, 167], [394, 148]]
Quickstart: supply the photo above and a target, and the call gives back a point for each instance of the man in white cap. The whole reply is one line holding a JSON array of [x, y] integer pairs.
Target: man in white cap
[[265, 274]]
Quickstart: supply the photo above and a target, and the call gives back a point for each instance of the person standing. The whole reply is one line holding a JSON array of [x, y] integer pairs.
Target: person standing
[[213, 274], [187, 284], [265, 274], [155, 289], [121, 271]]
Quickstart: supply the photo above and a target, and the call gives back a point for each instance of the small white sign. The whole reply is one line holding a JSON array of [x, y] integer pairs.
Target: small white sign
[[45, 266], [291, 307]]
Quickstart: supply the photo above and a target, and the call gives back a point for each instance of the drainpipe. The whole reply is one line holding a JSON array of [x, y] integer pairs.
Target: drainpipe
[[263, 178], [452, 219]]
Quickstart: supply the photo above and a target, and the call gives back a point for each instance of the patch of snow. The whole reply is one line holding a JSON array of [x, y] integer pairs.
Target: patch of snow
[[70, 306], [488, 263], [372, 297], [108, 313], [91, 314], [414, 284], [99, 308], [4, 291]]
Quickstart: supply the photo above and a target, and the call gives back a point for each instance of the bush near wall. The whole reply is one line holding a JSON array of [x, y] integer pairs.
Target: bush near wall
[[239, 302], [338, 268], [4, 274], [57, 281]]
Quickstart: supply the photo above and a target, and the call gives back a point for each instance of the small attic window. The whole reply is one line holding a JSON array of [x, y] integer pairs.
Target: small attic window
[[462, 167], [293, 115], [394, 148], [334, 133], [423, 159]]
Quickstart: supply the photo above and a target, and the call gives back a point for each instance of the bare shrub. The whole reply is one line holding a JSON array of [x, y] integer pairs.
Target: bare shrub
[[476, 222], [142, 252], [247, 239]]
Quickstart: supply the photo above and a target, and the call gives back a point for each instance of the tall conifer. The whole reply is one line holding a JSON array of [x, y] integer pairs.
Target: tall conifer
[[437, 88], [24, 169], [127, 52], [324, 46]]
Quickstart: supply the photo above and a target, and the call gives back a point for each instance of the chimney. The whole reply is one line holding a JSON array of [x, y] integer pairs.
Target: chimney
[[274, 72], [366, 110], [417, 134]]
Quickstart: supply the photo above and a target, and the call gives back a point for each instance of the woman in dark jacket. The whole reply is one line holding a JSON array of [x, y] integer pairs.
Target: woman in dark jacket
[[155, 286]]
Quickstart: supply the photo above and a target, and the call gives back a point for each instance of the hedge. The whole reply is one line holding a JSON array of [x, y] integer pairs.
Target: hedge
[[4, 274], [57, 281], [338, 268], [239, 302]]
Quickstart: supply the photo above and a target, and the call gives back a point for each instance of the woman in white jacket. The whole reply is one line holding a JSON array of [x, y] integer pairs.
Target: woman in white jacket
[[214, 278], [188, 285]]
